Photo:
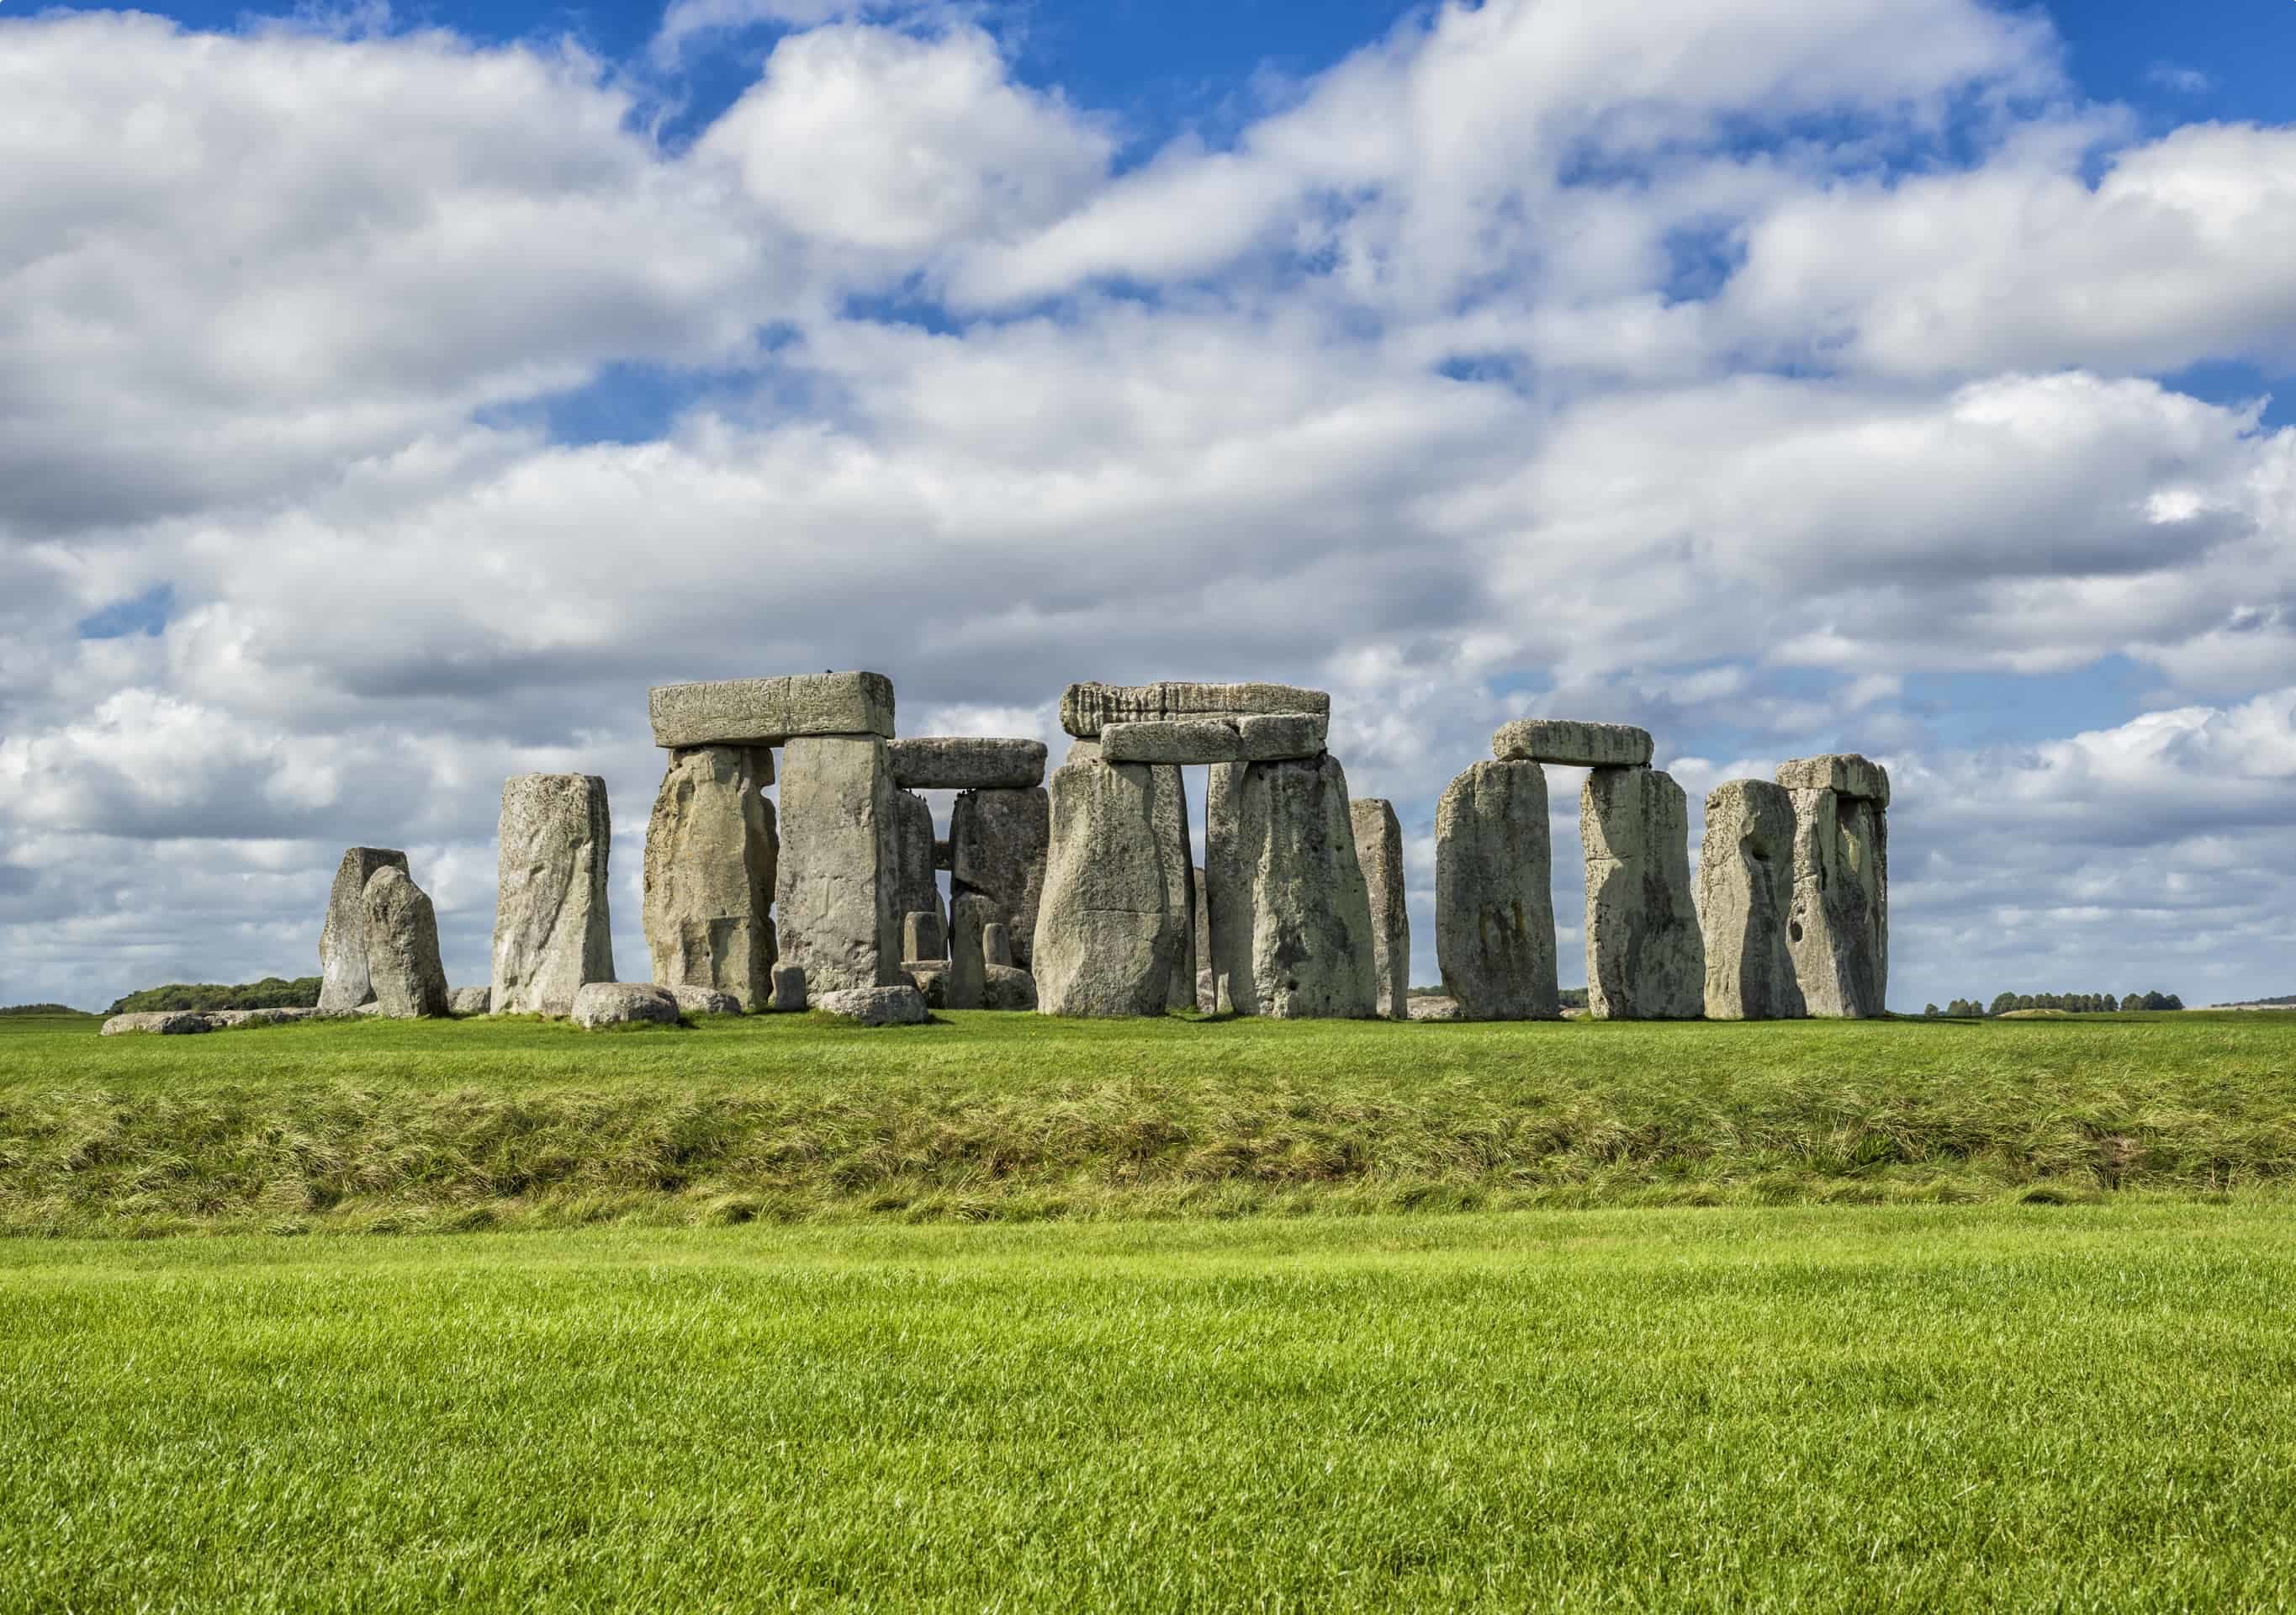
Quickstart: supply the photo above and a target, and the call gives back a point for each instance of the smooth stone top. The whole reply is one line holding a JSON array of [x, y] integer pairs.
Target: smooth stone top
[[1844, 773], [966, 762], [768, 711], [1085, 709], [1264, 738], [1571, 743]]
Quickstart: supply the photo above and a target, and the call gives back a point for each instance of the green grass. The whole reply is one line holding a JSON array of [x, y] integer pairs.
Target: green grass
[[374, 1126], [1815, 1408]]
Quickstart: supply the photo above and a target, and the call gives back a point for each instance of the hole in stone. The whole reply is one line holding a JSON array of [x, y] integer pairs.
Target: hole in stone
[[1793, 929]]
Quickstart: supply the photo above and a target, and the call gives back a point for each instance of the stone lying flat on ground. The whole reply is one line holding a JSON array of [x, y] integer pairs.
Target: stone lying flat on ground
[[1745, 892], [620, 1003], [1303, 949], [963, 762], [173, 1023], [999, 843], [1645, 957], [1494, 909], [712, 848], [1108, 937], [1437, 1009], [1004, 987], [703, 1000], [469, 1000], [1378, 852], [1845, 772], [1188, 742], [1086, 708], [1570, 743], [876, 1005], [552, 933], [770, 711], [835, 902], [343, 940], [402, 947], [788, 997]]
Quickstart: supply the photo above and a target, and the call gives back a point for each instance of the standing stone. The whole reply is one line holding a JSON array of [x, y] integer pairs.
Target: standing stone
[[996, 943], [1493, 906], [968, 952], [401, 946], [1379, 850], [1179, 863], [835, 896], [553, 935], [788, 997], [343, 983], [1839, 927], [909, 862], [924, 936], [1107, 939], [1207, 992], [1301, 945], [1645, 960], [710, 855], [1745, 892], [999, 844]]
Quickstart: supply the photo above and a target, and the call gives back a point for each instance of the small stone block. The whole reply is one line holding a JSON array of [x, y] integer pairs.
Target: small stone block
[[617, 1003], [877, 1005], [704, 1001], [788, 997], [924, 937]]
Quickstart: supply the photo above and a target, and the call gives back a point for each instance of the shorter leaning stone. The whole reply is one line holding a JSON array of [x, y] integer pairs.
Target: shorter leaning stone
[[617, 1003], [401, 946], [876, 1005], [964, 762], [1571, 744]]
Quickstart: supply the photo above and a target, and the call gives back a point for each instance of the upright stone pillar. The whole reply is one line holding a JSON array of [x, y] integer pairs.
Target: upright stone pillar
[[1379, 850], [1838, 930], [968, 952], [1106, 939], [711, 856], [553, 935], [1645, 960], [1745, 892], [998, 843], [1227, 889], [1303, 949], [344, 982], [1494, 902], [910, 857], [1207, 996], [402, 934], [1179, 862], [836, 895]]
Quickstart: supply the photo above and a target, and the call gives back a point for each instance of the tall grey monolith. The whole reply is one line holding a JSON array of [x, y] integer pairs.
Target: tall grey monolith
[[1494, 905], [1838, 927], [1645, 959], [909, 860], [1379, 850], [1745, 892], [1179, 863], [1298, 944], [343, 980], [999, 844], [712, 849], [553, 935], [1207, 997], [969, 919], [1107, 938], [834, 898], [401, 946]]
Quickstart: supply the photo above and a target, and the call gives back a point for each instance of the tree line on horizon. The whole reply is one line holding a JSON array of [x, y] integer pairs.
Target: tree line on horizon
[[2077, 1004]]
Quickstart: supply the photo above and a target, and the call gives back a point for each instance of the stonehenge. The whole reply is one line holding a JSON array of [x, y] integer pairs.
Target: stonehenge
[[344, 983], [1298, 941], [834, 902], [1745, 890], [1379, 851], [1645, 956], [1493, 906], [401, 946], [1838, 926], [552, 937], [1108, 939], [712, 849]]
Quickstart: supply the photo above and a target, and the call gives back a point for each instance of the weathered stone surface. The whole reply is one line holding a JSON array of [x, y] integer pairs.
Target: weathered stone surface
[[1838, 930], [470, 1001], [966, 762], [553, 933], [620, 1003], [401, 946], [924, 936], [835, 896], [1745, 894], [1226, 890], [1303, 949], [909, 867], [930, 978], [944, 856], [968, 957], [999, 843], [1207, 986], [1846, 773], [1086, 708], [1436, 1009], [1177, 741], [771, 711], [1179, 864], [788, 997], [1494, 907], [279, 1015], [172, 1023], [1083, 751], [712, 849], [705, 1001], [996, 943], [1274, 737], [1645, 960], [343, 982], [876, 1005], [1007, 988], [1107, 939], [1378, 852], [1574, 744]]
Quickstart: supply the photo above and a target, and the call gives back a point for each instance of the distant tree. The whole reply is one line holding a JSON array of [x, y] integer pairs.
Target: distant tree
[[270, 993], [41, 1008], [1930, 1011], [2173, 1002], [2132, 1002], [2003, 1004]]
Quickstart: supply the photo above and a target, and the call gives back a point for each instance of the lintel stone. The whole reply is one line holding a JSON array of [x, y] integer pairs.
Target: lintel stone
[[1571, 744], [964, 762], [1087, 709], [1272, 737], [769, 711], [1843, 773]]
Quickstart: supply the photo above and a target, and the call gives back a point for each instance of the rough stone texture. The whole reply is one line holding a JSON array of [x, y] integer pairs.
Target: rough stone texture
[[552, 934], [770, 711], [470, 1001], [1086, 708], [711, 850], [1846, 773], [1645, 959], [705, 1001], [401, 946], [282, 1015], [1303, 948], [618, 1002], [999, 844], [834, 900], [1107, 938], [930, 978], [909, 867], [876, 1005], [924, 935], [1207, 986], [963, 762], [996, 943], [1378, 852], [1006, 989], [1745, 892], [1494, 909], [343, 983], [1179, 864], [173, 1023], [1227, 935], [943, 854], [788, 997], [1838, 929], [1180, 740], [1436, 1009], [1567, 741], [1274, 737], [1083, 751], [968, 957]]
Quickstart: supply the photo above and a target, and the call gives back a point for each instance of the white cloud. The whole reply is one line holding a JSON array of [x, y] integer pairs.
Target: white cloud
[[2183, 80]]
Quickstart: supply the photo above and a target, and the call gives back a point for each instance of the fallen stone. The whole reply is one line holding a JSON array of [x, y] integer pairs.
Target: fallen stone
[[770, 711], [1379, 853], [1745, 895], [281, 1015], [703, 1000], [343, 983], [835, 898], [788, 997], [1838, 929], [996, 943], [1304, 949], [1645, 959], [999, 844], [1494, 907], [371, 1008], [909, 867], [1178, 858], [712, 849], [552, 933], [1573, 744], [924, 936], [170, 1023], [601, 1003], [1846, 772], [968, 959], [1007, 988], [401, 946], [1086, 708], [953, 762], [1436, 1009], [1107, 939], [876, 1005], [465, 1001]]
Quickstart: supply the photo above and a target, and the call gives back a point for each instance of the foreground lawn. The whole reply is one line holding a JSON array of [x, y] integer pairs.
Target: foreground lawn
[[370, 1126], [1838, 1408]]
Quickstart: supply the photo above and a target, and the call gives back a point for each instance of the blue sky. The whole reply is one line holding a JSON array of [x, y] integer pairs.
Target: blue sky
[[388, 397]]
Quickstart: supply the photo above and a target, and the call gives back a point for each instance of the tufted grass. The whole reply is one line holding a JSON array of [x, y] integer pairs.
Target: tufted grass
[[376, 1126]]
